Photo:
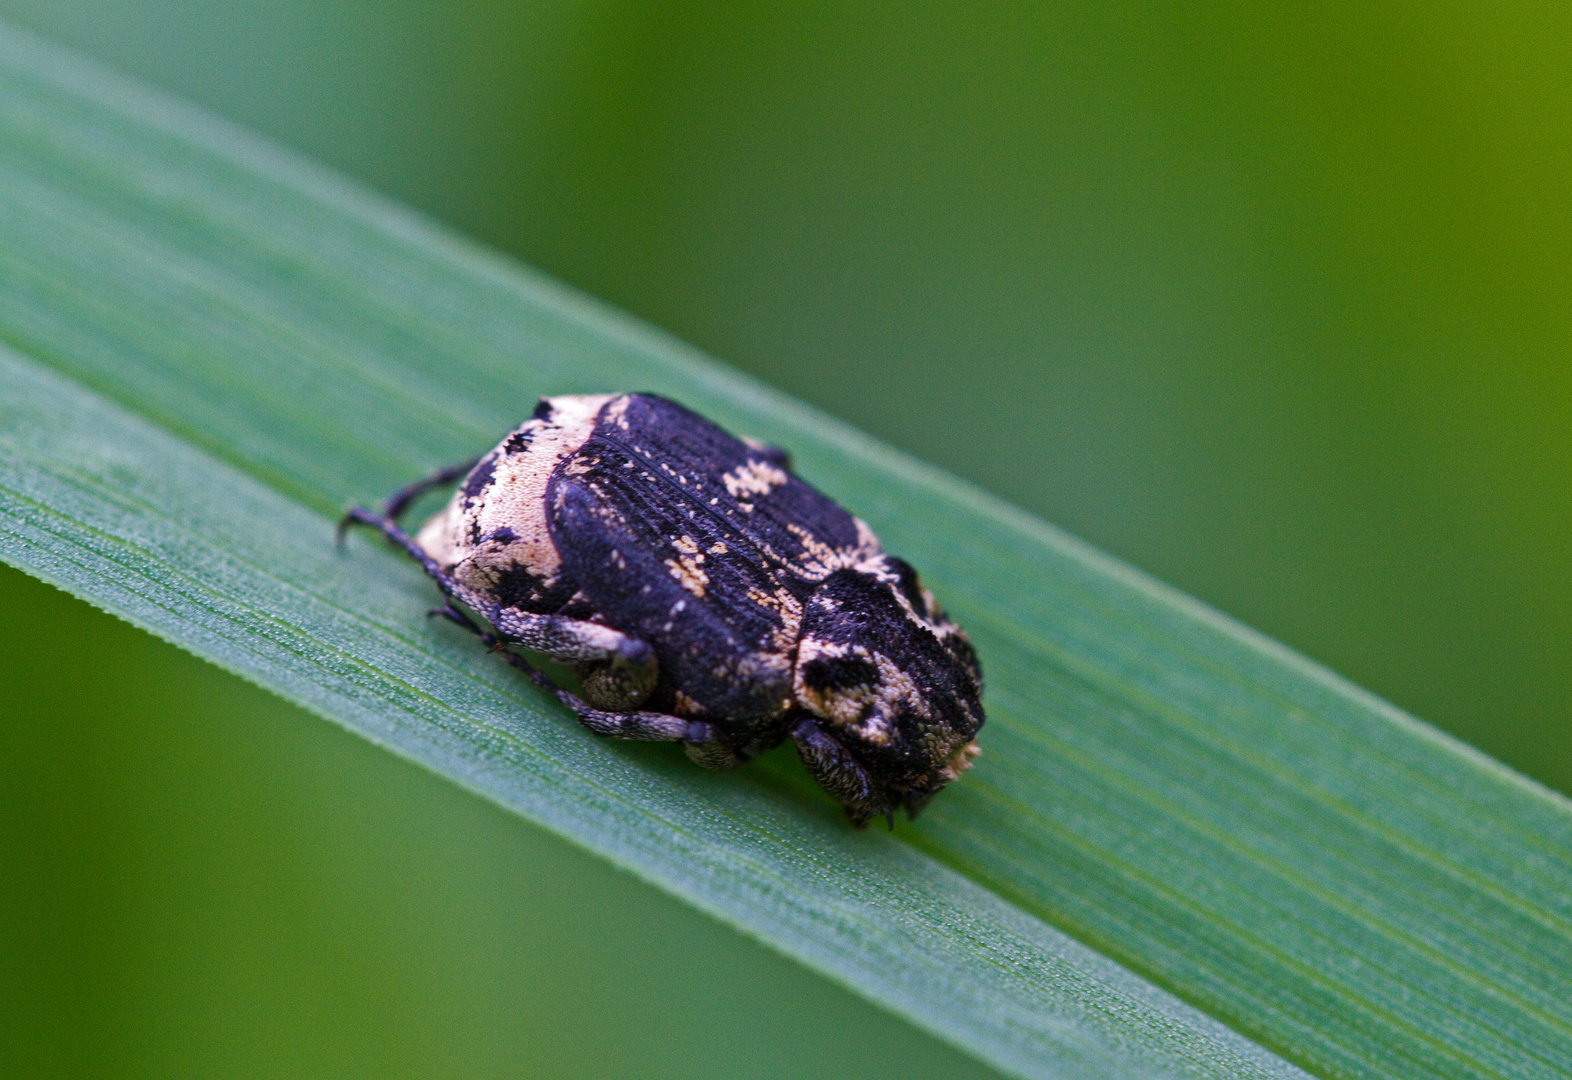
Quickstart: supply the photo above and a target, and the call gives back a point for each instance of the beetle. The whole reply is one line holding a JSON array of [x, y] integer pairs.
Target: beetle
[[701, 593]]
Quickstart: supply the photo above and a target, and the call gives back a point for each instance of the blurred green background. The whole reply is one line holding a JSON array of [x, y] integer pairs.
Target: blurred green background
[[1271, 301]]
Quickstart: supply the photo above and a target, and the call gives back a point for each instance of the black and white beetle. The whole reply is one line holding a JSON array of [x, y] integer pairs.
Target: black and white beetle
[[702, 594]]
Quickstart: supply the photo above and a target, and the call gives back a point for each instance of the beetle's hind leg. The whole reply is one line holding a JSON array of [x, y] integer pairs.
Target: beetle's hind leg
[[618, 670], [387, 521], [387, 524], [359, 515], [569, 641], [399, 501]]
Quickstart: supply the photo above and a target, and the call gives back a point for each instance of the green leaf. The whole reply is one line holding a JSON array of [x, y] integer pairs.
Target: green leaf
[[1185, 851]]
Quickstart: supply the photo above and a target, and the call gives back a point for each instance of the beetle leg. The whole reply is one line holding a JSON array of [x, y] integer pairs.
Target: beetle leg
[[399, 501], [619, 670], [707, 748], [842, 775], [643, 726], [648, 726], [387, 521], [359, 515], [615, 671], [704, 745], [455, 616], [570, 641], [616, 683]]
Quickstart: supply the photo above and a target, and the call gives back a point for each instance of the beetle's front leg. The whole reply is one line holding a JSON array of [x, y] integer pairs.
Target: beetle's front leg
[[839, 773]]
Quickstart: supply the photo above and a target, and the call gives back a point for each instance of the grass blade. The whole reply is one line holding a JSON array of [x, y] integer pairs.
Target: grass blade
[[212, 347]]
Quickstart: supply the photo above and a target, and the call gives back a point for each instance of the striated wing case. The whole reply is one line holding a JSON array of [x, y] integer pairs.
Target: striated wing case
[[702, 544]]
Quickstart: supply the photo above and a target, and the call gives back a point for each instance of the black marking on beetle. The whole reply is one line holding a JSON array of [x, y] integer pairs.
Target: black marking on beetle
[[516, 586], [705, 594], [480, 478], [839, 673]]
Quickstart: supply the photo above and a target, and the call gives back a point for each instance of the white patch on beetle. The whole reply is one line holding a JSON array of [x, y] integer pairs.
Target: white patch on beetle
[[689, 574], [683, 705], [819, 560], [753, 478], [686, 567], [931, 618], [865, 708], [464, 536], [787, 610], [617, 412], [959, 762]]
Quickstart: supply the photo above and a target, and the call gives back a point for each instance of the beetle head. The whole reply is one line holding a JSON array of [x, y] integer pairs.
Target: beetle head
[[892, 688]]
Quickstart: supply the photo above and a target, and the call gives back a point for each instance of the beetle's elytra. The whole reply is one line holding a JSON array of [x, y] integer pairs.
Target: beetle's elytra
[[704, 594]]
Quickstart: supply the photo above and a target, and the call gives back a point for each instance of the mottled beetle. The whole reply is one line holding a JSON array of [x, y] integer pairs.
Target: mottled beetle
[[702, 594]]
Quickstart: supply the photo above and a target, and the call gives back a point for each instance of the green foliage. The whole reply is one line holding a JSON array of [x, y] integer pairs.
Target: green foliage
[[213, 347], [203, 882]]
